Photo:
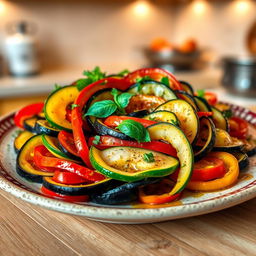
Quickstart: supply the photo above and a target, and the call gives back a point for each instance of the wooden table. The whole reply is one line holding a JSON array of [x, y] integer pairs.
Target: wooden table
[[27, 230]]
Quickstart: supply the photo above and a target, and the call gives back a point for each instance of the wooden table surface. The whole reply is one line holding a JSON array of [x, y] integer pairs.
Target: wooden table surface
[[27, 230]]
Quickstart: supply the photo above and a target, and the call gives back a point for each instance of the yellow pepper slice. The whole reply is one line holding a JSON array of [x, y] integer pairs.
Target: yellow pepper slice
[[232, 172]]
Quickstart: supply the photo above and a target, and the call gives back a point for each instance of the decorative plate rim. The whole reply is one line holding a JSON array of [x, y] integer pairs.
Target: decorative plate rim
[[127, 215]]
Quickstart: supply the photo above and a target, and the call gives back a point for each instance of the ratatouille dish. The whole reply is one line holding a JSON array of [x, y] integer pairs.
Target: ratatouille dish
[[139, 136]]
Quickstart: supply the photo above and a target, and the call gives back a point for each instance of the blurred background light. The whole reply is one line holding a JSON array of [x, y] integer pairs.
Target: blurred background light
[[2, 7], [199, 6], [141, 8], [242, 6]]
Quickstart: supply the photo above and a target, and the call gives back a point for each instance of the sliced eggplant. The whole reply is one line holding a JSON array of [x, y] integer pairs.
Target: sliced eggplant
[[56, 105], [29, 124], [224, 142], [163, 116], [125, 193], [25, 163], [202, 104], [187, 87], [79, 189], [140, 113], [206, 138], [189, 122], [102, 129], [219, 120], [153, 88], [188, 98], [43, 127], [132, 164], [249, 147], [243, 159], [21, 139]]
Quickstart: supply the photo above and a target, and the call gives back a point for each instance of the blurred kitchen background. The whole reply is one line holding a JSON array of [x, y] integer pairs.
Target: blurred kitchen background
[[63, 38]]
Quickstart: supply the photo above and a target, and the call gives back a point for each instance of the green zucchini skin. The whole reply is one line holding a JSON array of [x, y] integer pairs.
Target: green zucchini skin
[[124, 193], [43, 127], [187, 87], [23, 167], [68, 154], [81, 189], [21, 139], [101, 129], [210, 140], [219, 120], [152, 88], [188, 98]]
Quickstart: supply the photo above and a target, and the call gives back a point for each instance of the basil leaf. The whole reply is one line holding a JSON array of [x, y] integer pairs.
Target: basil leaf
[[102, 109], [165, 81], [123, 99], [134, 130], [227, 113], [149, 157], [123, 72], [200, 93], [144, 78]]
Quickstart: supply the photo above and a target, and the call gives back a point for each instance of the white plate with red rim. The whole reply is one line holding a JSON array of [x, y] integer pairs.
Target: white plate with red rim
[[191, 204]]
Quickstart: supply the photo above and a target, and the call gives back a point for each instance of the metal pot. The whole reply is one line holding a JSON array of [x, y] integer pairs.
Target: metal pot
[[239, 75]]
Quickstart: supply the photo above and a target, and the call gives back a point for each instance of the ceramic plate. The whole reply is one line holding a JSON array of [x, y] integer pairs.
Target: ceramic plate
[[191, 204]]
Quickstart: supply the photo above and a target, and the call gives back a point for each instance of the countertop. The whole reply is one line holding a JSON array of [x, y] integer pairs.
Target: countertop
[[27, 230]]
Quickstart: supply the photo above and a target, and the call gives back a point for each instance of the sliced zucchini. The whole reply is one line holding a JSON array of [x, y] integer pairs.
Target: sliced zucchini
[[129, 163], [187, 116], [25, 163], [52, 144], [43, 127], [219, 120], [56, 105], [243, 159], [188, 98], [21, 139], [173, 135], [102, 129], [104, 94], [163, 116], [187, 87], [206, 138], [202, 104], [29, 124], [79, 189], [153, 88], [224, 142]]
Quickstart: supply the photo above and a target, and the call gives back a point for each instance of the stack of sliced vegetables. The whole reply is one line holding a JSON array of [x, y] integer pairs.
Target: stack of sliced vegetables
[[138, 136]]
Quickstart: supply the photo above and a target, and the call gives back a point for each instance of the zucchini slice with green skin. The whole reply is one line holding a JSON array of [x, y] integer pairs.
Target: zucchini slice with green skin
[[202, 104], [163, 116], [206, 139], [189, 122], [224, 142], [52, 144], [25, 163], [43, 127], [188, 98], [21, 139], [187, 87], [124, 193], [152, 88], [219, 120], [128, 163], [56, 105], [175, 136], [76, 190], [29, 124], [102, 129], [242, 158], [104, 94]]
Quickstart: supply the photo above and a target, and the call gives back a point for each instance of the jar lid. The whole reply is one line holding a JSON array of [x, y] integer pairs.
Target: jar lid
[[240, 60]]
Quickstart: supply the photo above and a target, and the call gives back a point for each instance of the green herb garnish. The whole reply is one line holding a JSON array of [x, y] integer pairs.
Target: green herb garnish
[[102, 109], [149, 157], [200, 93], [74, 106], [227, 113], [134, 130], [165, 81], [96, 140]]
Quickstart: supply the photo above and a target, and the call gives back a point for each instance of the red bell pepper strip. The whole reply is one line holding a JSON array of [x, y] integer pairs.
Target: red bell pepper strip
[[66, 140], [68, 178], [158, 193], [41, 159], [77, 112], [154, 73], [238, 127], [107, 141], [200, 114], [52, 194], [27, 112], [114, 121]]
